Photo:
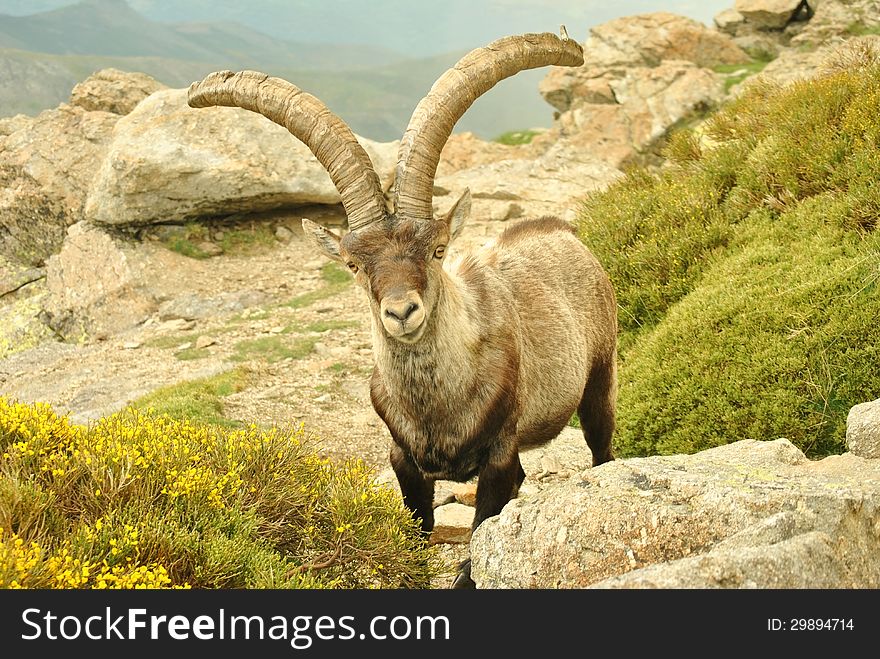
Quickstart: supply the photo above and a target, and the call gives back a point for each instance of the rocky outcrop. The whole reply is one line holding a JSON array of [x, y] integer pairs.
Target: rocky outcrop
[[626, 115], [838, 19], [22, 292], [642, 76], [100, 285], [649, 39], [552, 184], [750, 514], [169, 162], [9, 125], [763, 28], [770, 27], [46, 167], [863, 429], [112, 90]]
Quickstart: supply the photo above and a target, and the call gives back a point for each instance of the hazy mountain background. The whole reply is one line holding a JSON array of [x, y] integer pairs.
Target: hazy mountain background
[[370, 62]]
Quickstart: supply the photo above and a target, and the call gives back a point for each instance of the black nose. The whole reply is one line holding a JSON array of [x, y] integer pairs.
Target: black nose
[[401, 313]]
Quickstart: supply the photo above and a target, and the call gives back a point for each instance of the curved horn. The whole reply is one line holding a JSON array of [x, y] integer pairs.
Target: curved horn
[[451, 96], [311, 122]]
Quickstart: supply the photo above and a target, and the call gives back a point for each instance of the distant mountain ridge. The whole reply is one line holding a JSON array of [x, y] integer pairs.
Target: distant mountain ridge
[[373, 89], [112, 28]]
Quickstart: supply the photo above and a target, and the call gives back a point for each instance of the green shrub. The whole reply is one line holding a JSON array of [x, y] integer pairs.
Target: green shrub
[[746, 272], [142, 501]]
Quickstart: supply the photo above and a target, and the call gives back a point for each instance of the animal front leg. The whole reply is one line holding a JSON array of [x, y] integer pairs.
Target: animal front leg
[[417, 490], [497, 483]]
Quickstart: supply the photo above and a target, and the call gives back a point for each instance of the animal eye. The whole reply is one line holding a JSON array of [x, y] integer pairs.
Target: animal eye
[[439, 252], [354, 269]]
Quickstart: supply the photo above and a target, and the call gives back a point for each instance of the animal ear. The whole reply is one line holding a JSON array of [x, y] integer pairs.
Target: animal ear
[[324, 239], [460, 211]]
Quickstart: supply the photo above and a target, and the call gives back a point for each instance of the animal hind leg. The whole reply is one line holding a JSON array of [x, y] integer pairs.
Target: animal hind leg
[[596, 409]]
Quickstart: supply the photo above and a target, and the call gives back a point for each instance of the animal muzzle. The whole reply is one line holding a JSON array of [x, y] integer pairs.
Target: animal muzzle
[[403, 316]]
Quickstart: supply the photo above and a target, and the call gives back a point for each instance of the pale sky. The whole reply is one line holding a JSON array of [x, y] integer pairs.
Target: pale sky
[[407, 26]]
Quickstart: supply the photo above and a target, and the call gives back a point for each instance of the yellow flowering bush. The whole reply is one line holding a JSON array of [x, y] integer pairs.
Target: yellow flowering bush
[[138, 500]]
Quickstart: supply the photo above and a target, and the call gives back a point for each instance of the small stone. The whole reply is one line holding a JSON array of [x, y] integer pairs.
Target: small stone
[[452, 524], [176, 325], [321, 348], [863, 430], [340, 351], [283, 234], [276, 330], [465, 493], [205, 341], [324, 398], [318, 365], [442, 498], [131, 345], [185, 346], [550, 464]]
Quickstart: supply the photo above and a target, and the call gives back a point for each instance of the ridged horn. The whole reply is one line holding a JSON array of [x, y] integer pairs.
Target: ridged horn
[[311, 122], [450, 97]]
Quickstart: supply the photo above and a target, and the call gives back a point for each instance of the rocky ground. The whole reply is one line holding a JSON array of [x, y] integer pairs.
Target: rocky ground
[[100, 304]]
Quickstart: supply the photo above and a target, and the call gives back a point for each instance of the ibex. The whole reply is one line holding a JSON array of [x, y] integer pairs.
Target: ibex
[[478, 356]]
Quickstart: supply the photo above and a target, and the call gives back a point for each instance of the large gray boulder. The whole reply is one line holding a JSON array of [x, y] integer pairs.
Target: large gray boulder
[[747, 515], [768, 14], [46, 167], [169, 162]]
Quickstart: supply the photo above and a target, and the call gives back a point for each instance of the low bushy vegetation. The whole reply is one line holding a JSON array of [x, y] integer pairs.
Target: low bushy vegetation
[[139, 500], [747, 271]]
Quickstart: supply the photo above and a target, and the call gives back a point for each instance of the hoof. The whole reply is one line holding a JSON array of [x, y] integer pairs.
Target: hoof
[[463, 579]]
